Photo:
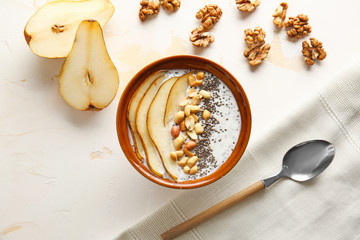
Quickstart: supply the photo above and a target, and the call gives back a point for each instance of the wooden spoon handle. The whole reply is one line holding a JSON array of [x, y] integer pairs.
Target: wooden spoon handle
[[212, 211]]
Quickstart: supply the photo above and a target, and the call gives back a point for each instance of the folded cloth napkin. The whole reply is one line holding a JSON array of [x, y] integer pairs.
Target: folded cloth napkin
[[326, 207]]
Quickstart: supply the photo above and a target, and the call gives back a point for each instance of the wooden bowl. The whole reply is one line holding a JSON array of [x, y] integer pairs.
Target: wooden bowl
[[184, 62]]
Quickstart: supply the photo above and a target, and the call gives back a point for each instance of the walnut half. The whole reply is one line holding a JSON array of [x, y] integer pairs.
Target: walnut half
[[148, 7], [200, 38], [280, 15], [171, 5], [247, 5], [315, 51], [209, 15], [299, 26], [257, 50]]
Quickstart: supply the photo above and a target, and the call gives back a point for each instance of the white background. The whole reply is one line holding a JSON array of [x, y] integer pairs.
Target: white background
[[62, 172]]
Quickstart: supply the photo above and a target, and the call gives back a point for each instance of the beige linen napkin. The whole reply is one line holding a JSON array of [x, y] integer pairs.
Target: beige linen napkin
[[327, 207]]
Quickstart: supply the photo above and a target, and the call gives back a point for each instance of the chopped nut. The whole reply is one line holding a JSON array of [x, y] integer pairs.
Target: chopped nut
[[280, 15], [196, 99], [187, 152], [193, 170], [192, 134], [171, 5], [209, 15], [206, 114], [198, 83], [184, 102], [194, 109], [191, 162], [299, 26], [183, 161], [179, 153], [178, 142], [205, 94], [200, 75], [189, 145], [200, 38], [257, 50], [187, 110], [192, 80], [190, 123], [196, 119], [182, 126], [148, 7], [175, 131], [186, 169], [179, 116], [247, 5], [173, 156], [192, 92], [315, 51], [198, 129]]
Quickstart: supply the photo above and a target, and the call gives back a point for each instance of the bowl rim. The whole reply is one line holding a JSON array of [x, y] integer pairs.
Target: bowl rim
[[170, 63]]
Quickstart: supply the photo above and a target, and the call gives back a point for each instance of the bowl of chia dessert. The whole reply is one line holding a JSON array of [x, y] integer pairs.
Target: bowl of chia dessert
[[183, 121]]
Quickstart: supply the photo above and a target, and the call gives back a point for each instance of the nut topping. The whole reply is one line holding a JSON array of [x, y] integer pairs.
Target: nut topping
[[190, 123], [192, 134], [205, 94], [206, 114], [190, 145]]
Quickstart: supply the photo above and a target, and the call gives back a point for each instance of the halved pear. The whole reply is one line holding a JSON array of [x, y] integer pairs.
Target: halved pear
[[131, 111], [88, 79], [177, 93], [159, 133], [50, 32], [152, 157]]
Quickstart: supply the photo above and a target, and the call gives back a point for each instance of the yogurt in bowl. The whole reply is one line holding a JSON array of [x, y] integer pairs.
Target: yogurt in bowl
[[150, 108]]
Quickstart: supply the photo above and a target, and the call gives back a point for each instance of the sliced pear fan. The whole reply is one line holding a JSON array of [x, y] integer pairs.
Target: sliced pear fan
[[152, 157], [131, 111], [160, 134], [177, 93]]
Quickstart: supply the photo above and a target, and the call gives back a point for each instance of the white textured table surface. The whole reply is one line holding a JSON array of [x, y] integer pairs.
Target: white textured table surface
[[62, 172]]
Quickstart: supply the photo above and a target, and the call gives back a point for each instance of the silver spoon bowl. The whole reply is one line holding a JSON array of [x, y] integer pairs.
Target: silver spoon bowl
[[305, 161]]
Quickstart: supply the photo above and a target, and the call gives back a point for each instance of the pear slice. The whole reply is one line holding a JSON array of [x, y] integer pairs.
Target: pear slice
[[153, 159], [88, 79], [177, 93], [160, 134], [50, 32], [131, 111]]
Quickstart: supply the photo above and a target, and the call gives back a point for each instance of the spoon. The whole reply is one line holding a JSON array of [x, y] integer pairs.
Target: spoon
[[301, 163]]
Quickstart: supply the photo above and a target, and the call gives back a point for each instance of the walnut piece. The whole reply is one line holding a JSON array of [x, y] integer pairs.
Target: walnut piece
[[257, 50], [299, 26], [171, 5], [315, 51], [209, 15], [148, 7], [280, 15], [247, 5], [200, 38]]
